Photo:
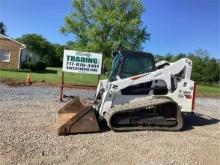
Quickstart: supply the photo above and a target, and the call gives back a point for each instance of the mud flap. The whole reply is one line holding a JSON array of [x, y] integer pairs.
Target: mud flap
[[77, 117]]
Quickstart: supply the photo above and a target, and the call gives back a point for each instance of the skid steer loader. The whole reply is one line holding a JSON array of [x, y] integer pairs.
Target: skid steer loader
[[138, 95]]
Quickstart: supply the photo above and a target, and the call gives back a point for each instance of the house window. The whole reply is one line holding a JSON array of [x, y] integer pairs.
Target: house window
[[4, 55]]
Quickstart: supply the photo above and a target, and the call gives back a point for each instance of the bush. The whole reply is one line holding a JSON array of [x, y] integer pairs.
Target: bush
[[38, 66], [25, 65]]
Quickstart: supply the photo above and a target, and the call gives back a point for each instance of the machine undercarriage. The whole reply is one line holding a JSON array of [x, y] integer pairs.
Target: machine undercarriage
[[155, 113]]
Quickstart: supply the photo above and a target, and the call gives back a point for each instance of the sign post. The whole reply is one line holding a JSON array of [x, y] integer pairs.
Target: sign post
[[80, 62], [61, 86]]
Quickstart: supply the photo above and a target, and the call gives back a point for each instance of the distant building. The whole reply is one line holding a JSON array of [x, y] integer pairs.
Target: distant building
[[10, 53], [13, 53]]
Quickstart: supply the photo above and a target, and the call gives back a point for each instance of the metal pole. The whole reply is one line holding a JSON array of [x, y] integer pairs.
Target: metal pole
[[99, 77], [61, 86]]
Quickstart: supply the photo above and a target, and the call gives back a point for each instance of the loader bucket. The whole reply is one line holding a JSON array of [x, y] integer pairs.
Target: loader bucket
[[77, 117]]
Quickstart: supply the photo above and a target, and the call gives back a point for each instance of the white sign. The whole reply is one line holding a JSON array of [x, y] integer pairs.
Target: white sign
[[82, 62]]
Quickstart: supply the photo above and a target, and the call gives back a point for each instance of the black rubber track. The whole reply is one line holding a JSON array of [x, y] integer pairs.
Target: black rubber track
[[156, 101]]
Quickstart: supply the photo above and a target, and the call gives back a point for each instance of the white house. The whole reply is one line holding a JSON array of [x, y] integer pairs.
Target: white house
[[28, 56]]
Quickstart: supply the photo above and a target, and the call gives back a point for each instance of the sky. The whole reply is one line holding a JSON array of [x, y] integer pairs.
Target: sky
[[176, 26]]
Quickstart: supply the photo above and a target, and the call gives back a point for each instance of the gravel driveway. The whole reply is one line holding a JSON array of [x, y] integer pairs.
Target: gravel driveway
[[28, 134]]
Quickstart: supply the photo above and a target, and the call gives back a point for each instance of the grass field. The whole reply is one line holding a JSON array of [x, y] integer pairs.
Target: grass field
[[53, 75], [207, 90]]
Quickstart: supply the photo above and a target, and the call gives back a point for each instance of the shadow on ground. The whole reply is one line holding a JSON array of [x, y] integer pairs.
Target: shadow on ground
[[46, 71], [197, 120]]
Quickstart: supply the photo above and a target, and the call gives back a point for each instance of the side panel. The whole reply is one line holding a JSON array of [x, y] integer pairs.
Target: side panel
[[183, 95]]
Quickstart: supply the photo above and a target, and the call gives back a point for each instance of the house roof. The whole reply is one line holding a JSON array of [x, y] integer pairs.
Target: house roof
[[5, 37]]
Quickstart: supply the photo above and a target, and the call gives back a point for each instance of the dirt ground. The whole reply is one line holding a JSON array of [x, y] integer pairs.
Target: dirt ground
[[28, 134]]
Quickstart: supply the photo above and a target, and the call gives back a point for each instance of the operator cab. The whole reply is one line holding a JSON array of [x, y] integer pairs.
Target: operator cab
[[128, 63]]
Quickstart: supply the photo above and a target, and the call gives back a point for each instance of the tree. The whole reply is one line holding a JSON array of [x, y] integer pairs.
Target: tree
[[210, 71], [58, 56], [39, 45], [3, 28], [197, 67], [202, 53], [158, 58], [179, 56], [169, 57], [204, 69], [104, 25]]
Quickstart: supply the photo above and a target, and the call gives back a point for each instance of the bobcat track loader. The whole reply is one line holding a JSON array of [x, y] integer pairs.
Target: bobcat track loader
[[138, 95]]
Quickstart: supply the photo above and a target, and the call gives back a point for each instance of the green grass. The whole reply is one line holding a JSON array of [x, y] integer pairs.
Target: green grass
[[202, 90], [52, 75]]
